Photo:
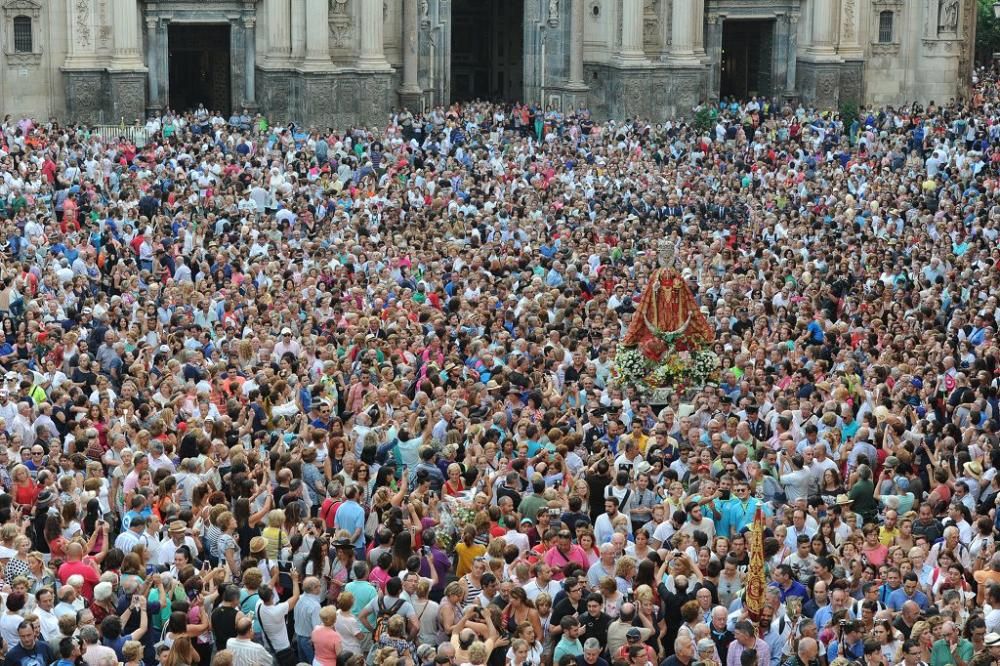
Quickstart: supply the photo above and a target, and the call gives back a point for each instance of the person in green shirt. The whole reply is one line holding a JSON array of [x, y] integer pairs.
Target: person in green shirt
[[530, 505], [862, 495], [951, 648]]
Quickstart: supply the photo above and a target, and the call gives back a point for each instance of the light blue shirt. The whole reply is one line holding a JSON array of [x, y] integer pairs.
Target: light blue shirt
[[351, 517], [307, 614]]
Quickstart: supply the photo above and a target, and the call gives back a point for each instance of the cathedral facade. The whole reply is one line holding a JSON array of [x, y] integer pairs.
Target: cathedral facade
[[340, 62]]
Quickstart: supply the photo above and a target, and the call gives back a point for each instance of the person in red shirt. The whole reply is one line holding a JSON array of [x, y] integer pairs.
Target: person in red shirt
[[74, 565]]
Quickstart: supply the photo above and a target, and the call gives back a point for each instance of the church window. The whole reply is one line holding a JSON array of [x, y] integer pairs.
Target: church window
[[885, 27], [22, 34]]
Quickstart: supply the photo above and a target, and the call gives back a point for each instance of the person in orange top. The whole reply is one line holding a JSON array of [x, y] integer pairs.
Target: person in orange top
[[70, 210]]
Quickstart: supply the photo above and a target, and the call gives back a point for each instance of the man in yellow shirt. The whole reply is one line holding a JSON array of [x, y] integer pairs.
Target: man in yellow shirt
[[889, 529]]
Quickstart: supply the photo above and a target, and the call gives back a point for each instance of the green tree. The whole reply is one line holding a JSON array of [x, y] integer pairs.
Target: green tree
[[987, 33]]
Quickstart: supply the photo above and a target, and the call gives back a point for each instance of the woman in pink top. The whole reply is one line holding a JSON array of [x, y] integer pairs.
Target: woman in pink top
[[326, 640]]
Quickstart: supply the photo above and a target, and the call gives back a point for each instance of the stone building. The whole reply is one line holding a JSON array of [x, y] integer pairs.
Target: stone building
[[334, 62]]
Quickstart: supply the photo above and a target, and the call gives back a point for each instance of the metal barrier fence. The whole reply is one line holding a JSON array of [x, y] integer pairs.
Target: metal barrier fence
[[137, 136]]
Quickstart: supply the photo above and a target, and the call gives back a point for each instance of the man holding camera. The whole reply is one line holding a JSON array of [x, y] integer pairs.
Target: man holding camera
[[848, 644]]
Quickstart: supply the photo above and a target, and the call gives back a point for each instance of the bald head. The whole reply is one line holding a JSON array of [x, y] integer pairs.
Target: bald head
[[808, 649]]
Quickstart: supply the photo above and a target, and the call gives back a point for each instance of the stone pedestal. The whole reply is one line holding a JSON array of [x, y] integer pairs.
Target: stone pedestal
[[337, 98], [819, 83], [85, 95], [128, 96]]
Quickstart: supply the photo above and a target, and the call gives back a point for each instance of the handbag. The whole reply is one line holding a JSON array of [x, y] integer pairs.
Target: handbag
[[284, 657]]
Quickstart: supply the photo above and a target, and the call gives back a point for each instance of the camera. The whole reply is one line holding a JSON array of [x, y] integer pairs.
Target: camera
[[426, 550]]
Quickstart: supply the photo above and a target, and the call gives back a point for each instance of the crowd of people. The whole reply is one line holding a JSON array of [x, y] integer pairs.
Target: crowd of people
[[275, 396]]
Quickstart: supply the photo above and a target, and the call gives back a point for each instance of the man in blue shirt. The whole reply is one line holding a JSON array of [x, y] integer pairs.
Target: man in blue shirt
[[29, 650], [741, 509], [787, 586], [351, 517], [908, 592]]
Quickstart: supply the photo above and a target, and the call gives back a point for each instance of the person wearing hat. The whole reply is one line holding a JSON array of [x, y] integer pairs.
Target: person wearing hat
[[992, 642], [178, 534]]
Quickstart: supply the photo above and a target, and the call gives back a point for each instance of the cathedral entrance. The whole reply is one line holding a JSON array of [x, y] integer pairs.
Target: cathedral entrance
[[747, 63], [487, 50], [198, 62]]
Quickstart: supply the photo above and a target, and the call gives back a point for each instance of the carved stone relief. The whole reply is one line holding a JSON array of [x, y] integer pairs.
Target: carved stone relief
[[82, 8], [848, 10]]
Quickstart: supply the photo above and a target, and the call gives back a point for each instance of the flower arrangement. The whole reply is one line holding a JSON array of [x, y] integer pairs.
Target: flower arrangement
[[664, 365], [703, 366], [631, 366]]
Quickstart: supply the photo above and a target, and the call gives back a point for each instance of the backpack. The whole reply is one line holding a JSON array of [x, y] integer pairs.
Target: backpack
[[382, 619]]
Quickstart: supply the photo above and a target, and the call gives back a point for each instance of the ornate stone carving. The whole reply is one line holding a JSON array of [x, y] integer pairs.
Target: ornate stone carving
[[553, 13], [848, 9], [341, 33], [338, 7], [826, 88], [595, 10], [850, 85], [425, 13], [82, 8], [947, 21], [650, 32], [882, 48], [129, 99]]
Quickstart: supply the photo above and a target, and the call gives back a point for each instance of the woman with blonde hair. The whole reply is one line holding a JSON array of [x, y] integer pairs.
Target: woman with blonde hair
[[478, 654], [277, 537], [327, 641], [24, 488]]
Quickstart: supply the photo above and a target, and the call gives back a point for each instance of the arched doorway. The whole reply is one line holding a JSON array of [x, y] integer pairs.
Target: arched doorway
[[487, 50]]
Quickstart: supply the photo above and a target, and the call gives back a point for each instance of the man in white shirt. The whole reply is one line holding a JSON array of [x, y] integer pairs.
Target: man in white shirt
[[542, 582], [274, 633], [48, 622], [178, 537]]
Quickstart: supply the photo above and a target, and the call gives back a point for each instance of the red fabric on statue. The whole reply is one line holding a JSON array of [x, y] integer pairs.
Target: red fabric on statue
[[667, 303]]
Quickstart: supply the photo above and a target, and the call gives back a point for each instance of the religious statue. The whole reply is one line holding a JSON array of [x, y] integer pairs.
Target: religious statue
[[948, 16], [667, 342], [425, 11], [339, 6], [553, 12]]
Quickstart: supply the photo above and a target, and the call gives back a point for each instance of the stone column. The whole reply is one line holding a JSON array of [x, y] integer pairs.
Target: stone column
[[632, 41], [163, 55], [793, 52], [126, 34], [299, 28], [152, 64], [698, 28], [372, 55], [250, 62], [409, 90], [576, 44], [279, 30], [682, 37], [317, 34], [824, 29]]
